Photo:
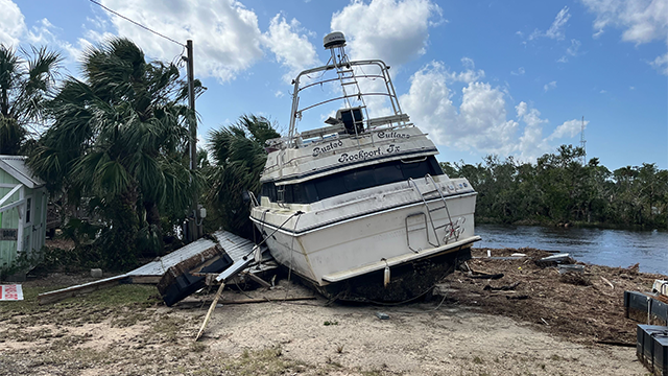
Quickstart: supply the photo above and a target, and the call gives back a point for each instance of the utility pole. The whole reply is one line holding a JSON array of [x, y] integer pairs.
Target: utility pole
[[583, 143], [193, 229]]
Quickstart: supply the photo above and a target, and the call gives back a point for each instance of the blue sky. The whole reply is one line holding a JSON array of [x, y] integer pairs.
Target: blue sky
[[484, 77]]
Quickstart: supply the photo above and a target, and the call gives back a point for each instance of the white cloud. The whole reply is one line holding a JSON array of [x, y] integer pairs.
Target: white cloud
[[481, 123], [569, 128], [550, 85], [483, 118], [279, 94], [642, 21], [428, 103], [469, 75], [395, 31], [292, 49], [44, 33], [226, 37], [519, 72], [531, 144], [602, 91], [12, 23], [661, 64], [556, 30]]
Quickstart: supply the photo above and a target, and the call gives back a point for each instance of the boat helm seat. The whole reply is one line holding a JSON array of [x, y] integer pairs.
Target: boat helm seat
[[352, 119]]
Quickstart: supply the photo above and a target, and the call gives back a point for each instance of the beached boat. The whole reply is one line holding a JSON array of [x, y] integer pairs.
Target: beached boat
[[360, 207]]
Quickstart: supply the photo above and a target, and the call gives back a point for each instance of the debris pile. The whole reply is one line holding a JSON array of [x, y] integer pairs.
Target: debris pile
[[584, 305]]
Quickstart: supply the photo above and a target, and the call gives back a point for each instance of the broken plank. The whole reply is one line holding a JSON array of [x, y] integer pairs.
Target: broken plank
[[86, 288], [258, 280], [211, 308]]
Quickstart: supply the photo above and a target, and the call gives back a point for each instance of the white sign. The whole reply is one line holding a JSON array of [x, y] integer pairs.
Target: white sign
[[11, 292]]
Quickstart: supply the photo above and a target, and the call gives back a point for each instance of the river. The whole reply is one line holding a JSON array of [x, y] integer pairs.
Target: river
[[597, 246]]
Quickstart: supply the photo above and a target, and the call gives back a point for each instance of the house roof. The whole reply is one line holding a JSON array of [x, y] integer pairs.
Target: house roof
[[15, 165]]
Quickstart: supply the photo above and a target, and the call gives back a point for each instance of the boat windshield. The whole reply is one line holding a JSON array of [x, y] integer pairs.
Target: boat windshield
[[351, 180]]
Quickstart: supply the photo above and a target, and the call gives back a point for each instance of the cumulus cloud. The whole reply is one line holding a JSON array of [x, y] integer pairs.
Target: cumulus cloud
[[12, 23], [569, 128], [556, 30], [531, 144], [227, 39], [468, 75], [395, 31], [480, 122], [292, 49], [642, 21]]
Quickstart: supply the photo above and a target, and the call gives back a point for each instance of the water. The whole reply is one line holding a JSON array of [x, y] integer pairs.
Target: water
[[597, 246]]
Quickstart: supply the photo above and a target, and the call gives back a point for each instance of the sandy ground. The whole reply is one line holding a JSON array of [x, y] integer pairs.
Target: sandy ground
[[442, 337]]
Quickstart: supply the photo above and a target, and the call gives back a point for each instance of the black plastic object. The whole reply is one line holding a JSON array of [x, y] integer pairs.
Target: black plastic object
[[185, 284], [352, 120], [652, 348], [643, 308]]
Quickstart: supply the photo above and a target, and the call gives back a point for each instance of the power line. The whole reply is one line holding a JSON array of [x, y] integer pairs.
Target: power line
[[136, 23]]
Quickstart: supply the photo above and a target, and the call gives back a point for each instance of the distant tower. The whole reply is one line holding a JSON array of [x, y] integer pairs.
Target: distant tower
[[583, 142]]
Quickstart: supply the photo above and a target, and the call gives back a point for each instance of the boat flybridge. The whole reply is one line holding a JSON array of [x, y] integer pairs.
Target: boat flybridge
[[359, 207]]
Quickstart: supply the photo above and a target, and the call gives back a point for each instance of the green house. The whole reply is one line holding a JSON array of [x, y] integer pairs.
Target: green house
[[23, 206]]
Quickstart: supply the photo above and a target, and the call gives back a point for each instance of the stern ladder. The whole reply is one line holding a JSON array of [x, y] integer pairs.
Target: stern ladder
[[442, 205]]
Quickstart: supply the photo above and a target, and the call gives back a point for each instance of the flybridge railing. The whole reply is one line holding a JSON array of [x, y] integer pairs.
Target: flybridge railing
[[347, 76]]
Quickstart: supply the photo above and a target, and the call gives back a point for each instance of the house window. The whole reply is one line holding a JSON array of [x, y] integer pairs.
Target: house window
[[28, 207]]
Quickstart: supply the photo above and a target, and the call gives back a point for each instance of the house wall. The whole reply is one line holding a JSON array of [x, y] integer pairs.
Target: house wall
[[8, 220], [34, 232]]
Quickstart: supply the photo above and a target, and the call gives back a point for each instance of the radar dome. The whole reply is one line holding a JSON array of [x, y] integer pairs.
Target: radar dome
[[334, 39]]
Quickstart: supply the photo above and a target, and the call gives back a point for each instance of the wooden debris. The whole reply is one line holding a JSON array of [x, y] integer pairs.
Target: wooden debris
[[258, 280], [517, 297], [487, 276], [608, 282], [79, 290], [208, 314], [503, 288]]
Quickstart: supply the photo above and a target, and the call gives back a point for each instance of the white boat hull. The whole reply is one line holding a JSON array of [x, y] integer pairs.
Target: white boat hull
[[351, 247]]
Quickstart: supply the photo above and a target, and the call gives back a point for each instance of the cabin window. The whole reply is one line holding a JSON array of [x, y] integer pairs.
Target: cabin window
[[352, 180]]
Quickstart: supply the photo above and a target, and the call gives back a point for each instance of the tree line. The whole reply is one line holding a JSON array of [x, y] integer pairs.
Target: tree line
[[559, 188]]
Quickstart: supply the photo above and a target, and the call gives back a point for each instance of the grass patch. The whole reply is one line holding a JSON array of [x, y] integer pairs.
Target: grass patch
[[119, 302], [268, 362]]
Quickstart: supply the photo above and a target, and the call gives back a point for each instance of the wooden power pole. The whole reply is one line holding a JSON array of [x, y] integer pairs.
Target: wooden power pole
[[193, 228]]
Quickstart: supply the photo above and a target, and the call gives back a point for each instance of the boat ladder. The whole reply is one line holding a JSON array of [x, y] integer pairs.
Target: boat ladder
[[451, 231]]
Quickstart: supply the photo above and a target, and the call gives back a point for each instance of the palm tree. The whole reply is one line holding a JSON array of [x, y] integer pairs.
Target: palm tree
[[25, 85], [239, 157], [119, 139]]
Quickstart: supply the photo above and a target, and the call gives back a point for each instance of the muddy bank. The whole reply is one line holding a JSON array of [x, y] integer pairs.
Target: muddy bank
[[126, 330], [583, 308]]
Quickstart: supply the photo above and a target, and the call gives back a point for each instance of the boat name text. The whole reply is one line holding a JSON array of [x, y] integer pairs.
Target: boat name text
[[363, 155], [383, 134], [323, 149]]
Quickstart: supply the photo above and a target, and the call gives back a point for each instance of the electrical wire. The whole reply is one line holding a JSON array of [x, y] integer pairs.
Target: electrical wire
[[136, 23]]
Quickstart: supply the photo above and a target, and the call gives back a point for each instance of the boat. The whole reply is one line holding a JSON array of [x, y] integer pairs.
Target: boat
[[358, 206]]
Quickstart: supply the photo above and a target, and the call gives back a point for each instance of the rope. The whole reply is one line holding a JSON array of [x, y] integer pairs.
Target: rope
[[292, 243]]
